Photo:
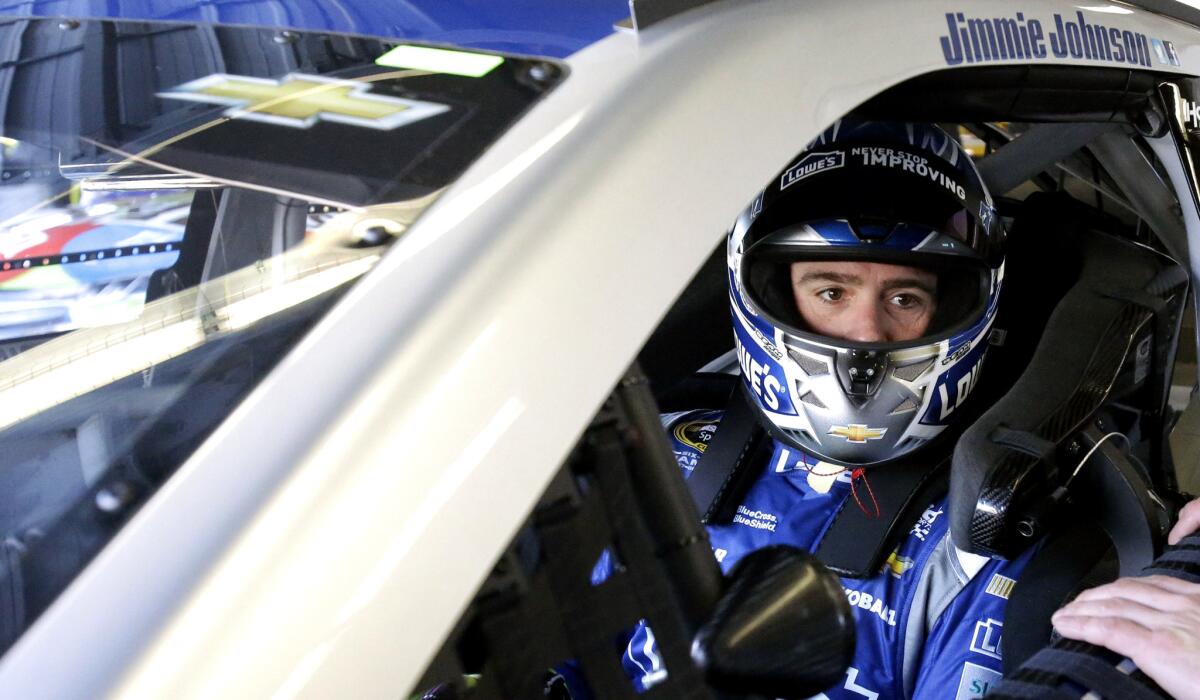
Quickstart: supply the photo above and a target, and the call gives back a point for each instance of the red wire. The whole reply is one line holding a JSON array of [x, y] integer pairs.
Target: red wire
[[855, 475], [809, 467]]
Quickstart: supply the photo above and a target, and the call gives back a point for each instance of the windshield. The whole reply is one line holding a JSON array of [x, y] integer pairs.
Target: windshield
[[179, 204]]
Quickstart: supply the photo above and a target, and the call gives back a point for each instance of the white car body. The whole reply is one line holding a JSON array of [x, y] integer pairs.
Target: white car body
[[323, 541]]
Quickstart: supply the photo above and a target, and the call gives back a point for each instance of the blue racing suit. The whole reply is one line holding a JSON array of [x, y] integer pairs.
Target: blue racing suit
[[929, 624]]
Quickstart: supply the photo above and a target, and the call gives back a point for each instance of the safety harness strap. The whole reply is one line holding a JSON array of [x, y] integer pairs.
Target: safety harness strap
[[856, 544], [1023, 441], [723, 464], [1078, 667], [1182, 561], [1076, 557], [1090, 671]]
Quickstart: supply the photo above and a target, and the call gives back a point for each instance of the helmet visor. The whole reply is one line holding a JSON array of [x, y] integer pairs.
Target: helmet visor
[[864, 294]]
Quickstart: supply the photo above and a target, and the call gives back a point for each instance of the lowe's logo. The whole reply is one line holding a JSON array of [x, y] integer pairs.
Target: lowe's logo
[[982, 39], [986, 639], [812, 164]]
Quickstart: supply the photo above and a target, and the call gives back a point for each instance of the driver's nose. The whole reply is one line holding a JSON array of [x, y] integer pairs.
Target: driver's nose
[[865, 323]]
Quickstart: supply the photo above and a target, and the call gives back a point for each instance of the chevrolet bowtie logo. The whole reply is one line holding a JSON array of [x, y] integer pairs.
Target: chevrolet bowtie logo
[[857, 432], [299, 101]]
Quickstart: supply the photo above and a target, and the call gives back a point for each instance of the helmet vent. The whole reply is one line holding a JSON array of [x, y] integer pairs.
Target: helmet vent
[[811, 365], [799, 435], [907, 405], [909, 373], [812, 400]]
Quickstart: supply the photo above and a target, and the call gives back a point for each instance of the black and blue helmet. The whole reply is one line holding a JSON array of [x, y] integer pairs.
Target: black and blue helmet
[[905, 194]]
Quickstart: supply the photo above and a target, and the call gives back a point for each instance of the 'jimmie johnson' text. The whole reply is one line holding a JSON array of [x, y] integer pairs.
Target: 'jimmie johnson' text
[[979, 39]]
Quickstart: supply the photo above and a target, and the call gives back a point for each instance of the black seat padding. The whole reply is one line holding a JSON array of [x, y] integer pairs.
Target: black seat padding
[[193, 251], [696, 329]]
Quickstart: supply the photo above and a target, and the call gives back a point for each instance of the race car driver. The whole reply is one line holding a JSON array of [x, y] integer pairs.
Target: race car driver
[[863, 284]]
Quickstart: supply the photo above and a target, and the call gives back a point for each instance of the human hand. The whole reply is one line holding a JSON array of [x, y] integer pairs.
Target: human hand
[[1189, 522], [1153, 620]]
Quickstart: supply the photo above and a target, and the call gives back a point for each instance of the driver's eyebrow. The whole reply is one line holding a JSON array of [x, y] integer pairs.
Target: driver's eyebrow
[[829, 276], [917, 282]]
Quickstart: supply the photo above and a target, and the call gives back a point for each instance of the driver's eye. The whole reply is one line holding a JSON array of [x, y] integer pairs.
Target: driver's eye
[[831, 294], [906, 301]]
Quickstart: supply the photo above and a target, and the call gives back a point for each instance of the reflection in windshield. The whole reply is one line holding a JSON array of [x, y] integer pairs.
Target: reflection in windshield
[[85, 264], [39, 378], [183, 206]]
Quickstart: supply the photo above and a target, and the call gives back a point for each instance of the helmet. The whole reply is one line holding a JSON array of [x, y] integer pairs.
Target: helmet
[[899, 194]]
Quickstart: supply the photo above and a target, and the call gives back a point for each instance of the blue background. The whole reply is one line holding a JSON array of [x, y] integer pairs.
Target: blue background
[[551, 28]]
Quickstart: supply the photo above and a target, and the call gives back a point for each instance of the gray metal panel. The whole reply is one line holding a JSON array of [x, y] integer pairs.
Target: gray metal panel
[[1171, 8], [645, 13]]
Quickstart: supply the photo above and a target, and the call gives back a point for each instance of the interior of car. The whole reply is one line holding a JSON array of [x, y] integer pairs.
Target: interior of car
[[1090, 329]]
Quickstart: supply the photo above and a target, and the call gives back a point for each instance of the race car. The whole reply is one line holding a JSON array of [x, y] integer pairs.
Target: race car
[[408, 278]]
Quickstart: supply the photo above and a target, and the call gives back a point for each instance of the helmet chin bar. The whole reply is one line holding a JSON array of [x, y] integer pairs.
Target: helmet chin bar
[[861, 372]]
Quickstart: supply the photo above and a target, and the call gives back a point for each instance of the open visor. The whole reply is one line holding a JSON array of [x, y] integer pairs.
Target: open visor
[[951, 288]]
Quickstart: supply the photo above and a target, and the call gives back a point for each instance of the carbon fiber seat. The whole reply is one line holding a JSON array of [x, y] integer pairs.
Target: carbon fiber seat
[[1106, 346]]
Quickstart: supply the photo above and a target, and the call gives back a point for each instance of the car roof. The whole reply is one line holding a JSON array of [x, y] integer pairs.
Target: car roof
[[529, 27]]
